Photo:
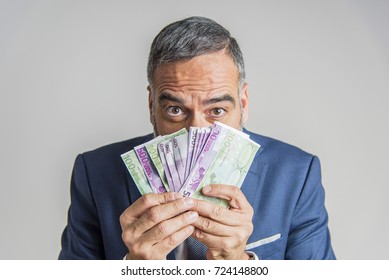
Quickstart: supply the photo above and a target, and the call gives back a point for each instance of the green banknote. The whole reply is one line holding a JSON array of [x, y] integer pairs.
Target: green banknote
[[152, 149], [229, 166], [136, 170]]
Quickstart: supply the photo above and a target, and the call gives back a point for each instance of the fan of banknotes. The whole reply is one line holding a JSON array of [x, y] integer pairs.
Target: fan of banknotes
[[186, 161]]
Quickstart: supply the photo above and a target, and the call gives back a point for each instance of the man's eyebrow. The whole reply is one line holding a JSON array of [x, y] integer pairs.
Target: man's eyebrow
[[222, 98], [165, 96]]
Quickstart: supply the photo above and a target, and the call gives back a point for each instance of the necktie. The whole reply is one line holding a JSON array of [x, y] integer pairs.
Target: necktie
[[196, 249]]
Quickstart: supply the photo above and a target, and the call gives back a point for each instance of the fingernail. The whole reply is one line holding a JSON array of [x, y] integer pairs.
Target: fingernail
[[207, 189], [189, 201]]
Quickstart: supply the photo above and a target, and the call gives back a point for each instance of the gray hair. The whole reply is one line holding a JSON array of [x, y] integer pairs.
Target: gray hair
[[191, 37]]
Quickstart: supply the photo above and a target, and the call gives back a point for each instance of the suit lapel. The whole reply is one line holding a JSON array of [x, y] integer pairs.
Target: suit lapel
[[253, 183]]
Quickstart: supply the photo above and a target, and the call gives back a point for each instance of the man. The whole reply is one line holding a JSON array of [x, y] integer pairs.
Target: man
[[196, 76]]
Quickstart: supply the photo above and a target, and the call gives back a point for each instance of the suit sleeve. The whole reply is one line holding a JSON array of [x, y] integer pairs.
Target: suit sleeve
[[81, 238], [309, 236]]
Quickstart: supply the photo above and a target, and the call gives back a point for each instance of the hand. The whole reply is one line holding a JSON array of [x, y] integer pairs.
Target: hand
[[155, 224], [224, 231]]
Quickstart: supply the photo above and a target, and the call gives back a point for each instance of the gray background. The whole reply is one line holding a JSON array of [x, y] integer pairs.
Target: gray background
[[72, 78]]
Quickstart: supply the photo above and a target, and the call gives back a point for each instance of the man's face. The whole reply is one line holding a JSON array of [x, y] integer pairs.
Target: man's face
[[197, 93]]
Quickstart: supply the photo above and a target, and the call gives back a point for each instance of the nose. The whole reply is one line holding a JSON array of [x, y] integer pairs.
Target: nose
[[198, 120]]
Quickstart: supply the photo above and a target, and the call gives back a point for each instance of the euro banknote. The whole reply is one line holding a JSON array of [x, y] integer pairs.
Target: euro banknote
[[186, 161]]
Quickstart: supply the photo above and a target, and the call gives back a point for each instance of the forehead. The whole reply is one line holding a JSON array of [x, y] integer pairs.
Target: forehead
[[215, 69]]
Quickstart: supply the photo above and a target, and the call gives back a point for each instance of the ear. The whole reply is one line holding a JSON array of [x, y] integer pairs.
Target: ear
[[151, 105], [244, 99]]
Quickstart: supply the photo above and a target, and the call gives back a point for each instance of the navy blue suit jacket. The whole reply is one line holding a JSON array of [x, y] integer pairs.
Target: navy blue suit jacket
[[283, 186]]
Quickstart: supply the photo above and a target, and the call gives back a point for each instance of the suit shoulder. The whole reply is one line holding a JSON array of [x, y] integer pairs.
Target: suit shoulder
[[116, 149], [273, 150]]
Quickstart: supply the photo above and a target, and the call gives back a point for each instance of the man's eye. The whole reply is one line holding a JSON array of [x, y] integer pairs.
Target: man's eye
[[174, 111], [217, 112]]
